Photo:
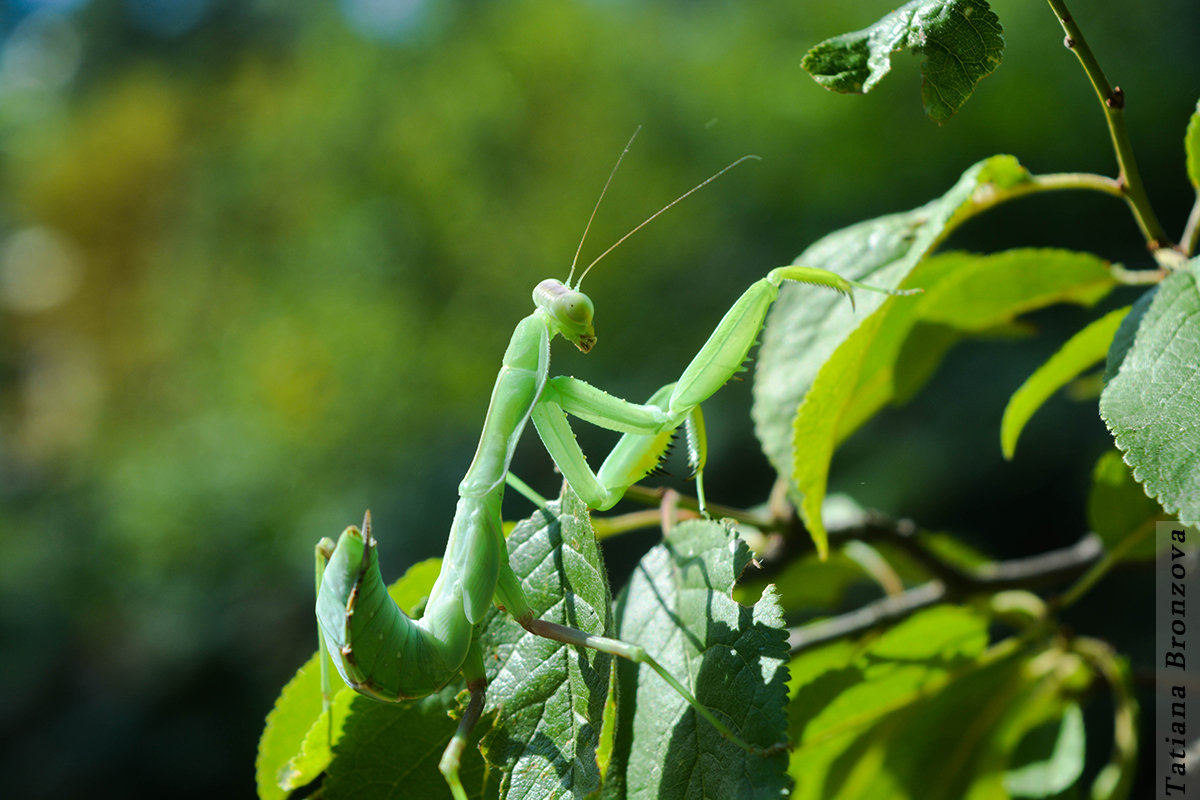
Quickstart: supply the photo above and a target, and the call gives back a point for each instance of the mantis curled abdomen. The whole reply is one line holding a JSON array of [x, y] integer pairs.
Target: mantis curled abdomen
[[378, 649]]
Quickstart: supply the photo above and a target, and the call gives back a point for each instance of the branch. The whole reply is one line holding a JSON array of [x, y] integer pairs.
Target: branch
[[1051, 567], [884, 611], [1112, 99]]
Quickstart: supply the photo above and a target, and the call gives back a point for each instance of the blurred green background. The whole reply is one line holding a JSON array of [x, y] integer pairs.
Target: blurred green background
[[259, 260]]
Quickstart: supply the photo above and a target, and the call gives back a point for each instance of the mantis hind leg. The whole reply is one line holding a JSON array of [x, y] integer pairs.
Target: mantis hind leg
[[472, 670], [638, 655], [324, 552], [512, 597]]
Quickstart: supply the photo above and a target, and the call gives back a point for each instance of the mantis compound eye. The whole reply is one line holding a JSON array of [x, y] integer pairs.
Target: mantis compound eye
[[574, 311], [576, 307]]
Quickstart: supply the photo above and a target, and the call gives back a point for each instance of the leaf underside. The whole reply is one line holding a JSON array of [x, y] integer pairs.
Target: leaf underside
[[961, 39], [1083, 350], [1191, 146], [1118, 507]]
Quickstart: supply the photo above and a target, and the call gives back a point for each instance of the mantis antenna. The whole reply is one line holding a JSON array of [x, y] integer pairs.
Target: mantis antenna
[[596, 207], [648, 219]]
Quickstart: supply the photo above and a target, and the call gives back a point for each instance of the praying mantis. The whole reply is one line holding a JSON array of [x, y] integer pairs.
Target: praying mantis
[[381, 652]]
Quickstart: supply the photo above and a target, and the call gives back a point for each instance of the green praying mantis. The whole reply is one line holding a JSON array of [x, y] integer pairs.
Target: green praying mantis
[[381, 652]]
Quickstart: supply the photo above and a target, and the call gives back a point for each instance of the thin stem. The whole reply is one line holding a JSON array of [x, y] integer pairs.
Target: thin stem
[[1078, 180], [1100, 569], [988, 196], [653, 496], [885, 611], [607, 527], [993, 196], [525, 490], [1112, 99]]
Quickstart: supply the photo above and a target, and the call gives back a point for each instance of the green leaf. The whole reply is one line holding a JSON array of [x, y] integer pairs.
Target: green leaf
[[390, 751], [293, 749], [550, 696], [961, 39], [1123, 339], [296, 713], [886, 674], [1050, 757], [842, 690], [805, 327], [918, 722], [1118, 507], [1152, 405], [731, 657], [1086, 348], [816, 425], [978, 293], [1191, 145], [966, 294], [315, 752]]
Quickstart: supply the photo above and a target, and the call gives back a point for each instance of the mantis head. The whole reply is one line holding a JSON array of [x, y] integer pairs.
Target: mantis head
[[570, 312]]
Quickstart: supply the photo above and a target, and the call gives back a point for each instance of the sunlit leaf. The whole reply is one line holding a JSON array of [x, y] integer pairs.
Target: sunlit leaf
[[296, 713], [913, 723], [1050, 757], [841, 690], [806, 326], [814, 434], [1191, 144], [966, 295]]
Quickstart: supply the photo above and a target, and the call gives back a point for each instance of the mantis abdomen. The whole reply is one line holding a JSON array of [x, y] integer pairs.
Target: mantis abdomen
[[378, 649]]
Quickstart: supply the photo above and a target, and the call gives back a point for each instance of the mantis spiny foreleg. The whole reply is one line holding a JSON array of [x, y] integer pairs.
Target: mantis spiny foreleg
[[647, 427]]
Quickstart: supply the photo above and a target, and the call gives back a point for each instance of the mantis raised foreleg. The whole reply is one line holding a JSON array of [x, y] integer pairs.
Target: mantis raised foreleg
[[381, 652]]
